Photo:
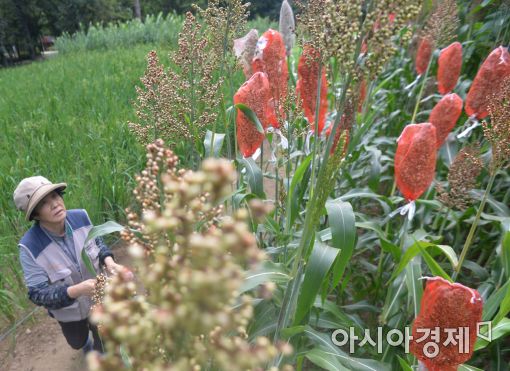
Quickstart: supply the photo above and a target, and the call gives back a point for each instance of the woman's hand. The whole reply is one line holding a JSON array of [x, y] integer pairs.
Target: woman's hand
[[84, 288], [114, 269]]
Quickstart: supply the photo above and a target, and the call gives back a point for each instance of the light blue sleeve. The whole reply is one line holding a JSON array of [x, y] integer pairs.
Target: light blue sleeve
[[33, 273]]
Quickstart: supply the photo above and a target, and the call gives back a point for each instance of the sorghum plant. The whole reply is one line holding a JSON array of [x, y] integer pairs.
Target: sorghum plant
[[498, 134], [383, 23], [224, 20], [497, 131], [336, 31], [464, 170], [440, 28], [178, 104], [191, 316]]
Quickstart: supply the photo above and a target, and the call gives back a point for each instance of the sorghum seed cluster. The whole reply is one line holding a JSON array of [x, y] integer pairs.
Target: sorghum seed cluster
[[191, 316]]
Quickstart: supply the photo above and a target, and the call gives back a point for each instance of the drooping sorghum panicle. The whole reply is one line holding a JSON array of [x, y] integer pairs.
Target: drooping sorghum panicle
[[99, 288], [493, 71], [180, 104], [309, 23], [286, 26], [161, 163], [197, 63], [295, 106], [340, 33], [444, 116], [307, 84], [464, 170], [441, 27], [151, 118], [447, 307], [334, 28], [449, 65], [102, 281], [385, 20], [497, 131], [191, 316], [415, 159], [224, 20]]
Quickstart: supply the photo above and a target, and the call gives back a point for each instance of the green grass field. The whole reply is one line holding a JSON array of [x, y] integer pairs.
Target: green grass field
[[66, 119]]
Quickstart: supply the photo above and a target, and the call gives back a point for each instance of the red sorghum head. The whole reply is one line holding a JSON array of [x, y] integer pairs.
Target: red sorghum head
[[254, 93], [425, 49], [449, 66], [451, 306], [444, 116], [415, 159], [488, 79], [307, 84], [270, 57]]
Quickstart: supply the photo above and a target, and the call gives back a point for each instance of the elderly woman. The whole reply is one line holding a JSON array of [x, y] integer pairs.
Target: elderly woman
[[51, 258]]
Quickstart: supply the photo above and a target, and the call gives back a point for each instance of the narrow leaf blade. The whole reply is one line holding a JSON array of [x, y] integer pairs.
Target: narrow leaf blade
[[319, 264], [251, 116]]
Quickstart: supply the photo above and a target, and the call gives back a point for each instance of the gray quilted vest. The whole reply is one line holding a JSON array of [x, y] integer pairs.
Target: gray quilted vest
[[59, 267]]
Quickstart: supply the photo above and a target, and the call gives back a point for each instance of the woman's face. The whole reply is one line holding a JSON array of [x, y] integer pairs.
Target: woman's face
[[50, 209]]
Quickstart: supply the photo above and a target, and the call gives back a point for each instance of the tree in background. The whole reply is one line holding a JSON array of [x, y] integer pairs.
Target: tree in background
[[23, 22], [262, 8], [68, 16], [19, 27]]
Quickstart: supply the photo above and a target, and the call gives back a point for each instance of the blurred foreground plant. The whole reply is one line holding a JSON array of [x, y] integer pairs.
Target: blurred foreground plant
[[191, 261]]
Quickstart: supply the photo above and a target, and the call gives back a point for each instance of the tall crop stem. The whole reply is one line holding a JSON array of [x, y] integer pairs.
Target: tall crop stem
[[471, 233]]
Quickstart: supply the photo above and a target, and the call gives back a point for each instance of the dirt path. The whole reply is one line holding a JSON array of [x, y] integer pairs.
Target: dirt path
[[40, 346]]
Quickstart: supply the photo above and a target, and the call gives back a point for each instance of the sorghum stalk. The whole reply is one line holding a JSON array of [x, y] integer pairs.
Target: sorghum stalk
[[420, 93], [222, 64], [443, 224], [316, 128], [309, 223], [276, 181], [388, 310], [472, 230]]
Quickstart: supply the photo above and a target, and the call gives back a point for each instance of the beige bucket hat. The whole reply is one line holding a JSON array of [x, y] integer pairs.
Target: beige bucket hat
[[31, 190]]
